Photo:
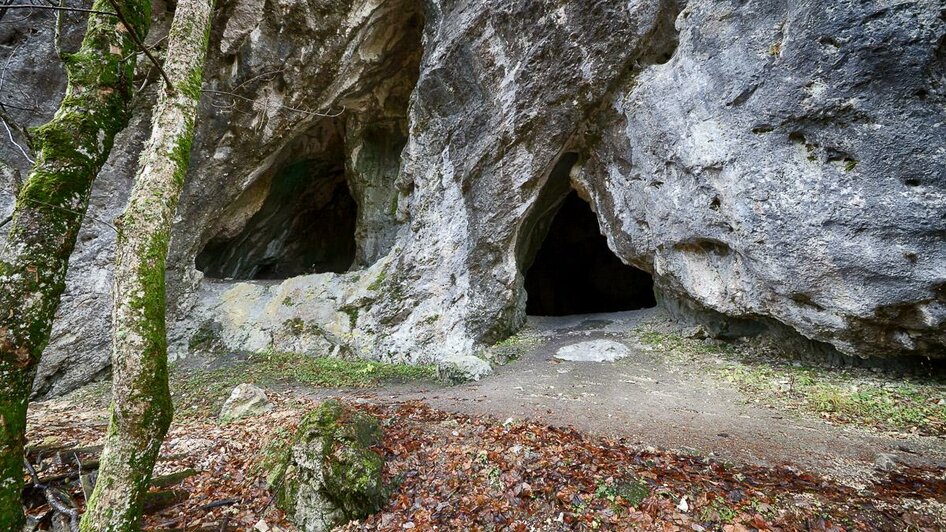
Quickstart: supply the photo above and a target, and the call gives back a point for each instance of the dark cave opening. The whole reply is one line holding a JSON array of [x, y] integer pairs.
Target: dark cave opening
[[574, 271], [306, 224]]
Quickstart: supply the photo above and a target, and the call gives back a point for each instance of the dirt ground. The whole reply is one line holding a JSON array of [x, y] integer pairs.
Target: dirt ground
[[650, 399]]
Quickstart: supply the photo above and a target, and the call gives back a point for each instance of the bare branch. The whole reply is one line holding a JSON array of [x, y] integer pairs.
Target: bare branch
[[141, 45], [10, 135], [57, 41], [286, 107], [93, 218], [57, 8]]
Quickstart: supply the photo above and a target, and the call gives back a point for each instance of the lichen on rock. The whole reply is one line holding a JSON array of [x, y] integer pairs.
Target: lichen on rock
[[328, 473]]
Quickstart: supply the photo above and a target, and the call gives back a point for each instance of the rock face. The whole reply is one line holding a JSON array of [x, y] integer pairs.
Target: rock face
[[246, 400], [771, 165], [330, 475]]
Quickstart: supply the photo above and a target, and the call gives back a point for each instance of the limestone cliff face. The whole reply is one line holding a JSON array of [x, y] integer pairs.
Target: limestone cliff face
[[776, 164]]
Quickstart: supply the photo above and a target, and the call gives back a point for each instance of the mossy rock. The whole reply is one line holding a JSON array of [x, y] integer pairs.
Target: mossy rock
[[328, 474]]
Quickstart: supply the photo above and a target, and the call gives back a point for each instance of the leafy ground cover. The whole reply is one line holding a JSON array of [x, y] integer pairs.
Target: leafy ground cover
[[457, 472], [476, 472], [886, 401]]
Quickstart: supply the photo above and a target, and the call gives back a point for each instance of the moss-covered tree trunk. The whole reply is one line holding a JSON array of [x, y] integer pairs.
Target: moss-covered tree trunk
[[141, 402], [71, 150]]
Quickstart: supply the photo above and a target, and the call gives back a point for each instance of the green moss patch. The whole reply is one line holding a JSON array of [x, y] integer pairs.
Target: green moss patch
[[854, 396], [330, 460], [202, 392]]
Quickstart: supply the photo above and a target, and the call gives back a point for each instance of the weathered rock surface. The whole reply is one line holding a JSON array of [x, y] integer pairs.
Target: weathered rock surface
[[246, 400], [329, 475], [593, 351], [770, 163]]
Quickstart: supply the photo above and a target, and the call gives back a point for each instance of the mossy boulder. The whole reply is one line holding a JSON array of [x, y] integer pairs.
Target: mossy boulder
[[327, 474]]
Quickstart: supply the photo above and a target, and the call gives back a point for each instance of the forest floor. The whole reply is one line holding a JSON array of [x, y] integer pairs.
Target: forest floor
[[681, 434]]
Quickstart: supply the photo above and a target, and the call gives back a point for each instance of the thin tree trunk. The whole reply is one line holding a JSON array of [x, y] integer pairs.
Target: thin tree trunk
[[71, 150], [141, 402]]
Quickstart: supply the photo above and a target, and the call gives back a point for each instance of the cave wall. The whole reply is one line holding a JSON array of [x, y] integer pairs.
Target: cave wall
[[788, 164], [764, 160]]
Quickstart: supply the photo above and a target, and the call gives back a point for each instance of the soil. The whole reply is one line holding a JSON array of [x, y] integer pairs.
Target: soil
[[650, 399]]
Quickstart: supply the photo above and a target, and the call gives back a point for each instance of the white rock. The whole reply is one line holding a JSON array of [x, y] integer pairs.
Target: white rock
[[593, 351], [463, 369], [245, 400]]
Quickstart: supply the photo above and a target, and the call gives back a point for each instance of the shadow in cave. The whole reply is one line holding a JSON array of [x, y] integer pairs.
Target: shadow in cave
[[574, 271], [305, 225]]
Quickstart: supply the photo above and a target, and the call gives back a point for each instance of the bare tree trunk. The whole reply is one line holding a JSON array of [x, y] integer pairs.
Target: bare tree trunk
[[71, 149], [141, 402]]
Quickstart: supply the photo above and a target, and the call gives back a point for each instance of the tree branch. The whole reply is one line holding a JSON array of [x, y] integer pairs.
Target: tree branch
[[121, 18], [57, 8], [141, 44]]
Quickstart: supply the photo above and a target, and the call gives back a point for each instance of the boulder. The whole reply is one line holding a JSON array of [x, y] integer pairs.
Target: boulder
[[328, 475], [246, 400], [460, 369]]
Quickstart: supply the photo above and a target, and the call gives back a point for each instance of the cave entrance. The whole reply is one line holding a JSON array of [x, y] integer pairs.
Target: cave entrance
[[575, 272], [306, 224]]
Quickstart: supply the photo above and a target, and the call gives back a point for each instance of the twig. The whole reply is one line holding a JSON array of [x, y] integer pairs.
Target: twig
[[52, 499], [311, 113], [57, 8], [10, 134], [150, 47], [6, 220], [141, 45], [94, 219], [18, 108], [220, 503], [56, 34], [3, 74]]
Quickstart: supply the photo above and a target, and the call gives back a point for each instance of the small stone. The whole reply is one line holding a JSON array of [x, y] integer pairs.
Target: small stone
[[886, 462], [246, 400]]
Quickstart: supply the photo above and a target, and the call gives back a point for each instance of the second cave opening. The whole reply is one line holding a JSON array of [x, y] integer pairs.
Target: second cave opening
[[575, 272], [306, 224]]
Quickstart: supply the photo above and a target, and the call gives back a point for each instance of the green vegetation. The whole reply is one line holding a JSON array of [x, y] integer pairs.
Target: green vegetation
[[633, 491], [511, 348], [201, 393], [717, 511], [685, 347], [850, 396], [376, 284], [847, 396], [352, 313]]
